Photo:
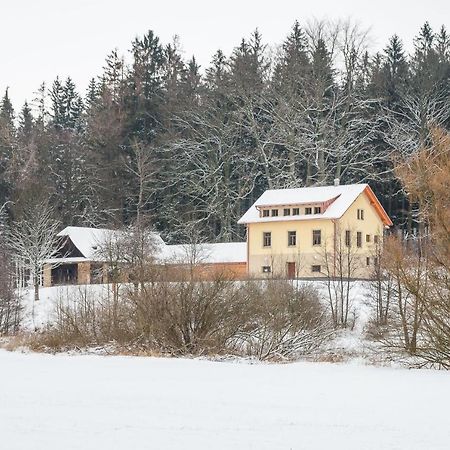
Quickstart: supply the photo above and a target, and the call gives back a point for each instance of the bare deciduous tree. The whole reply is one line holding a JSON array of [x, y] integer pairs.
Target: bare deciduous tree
[[33, 239], [341, 262]]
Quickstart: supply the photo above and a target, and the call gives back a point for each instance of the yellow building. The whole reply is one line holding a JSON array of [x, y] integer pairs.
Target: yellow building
[[315, 231]]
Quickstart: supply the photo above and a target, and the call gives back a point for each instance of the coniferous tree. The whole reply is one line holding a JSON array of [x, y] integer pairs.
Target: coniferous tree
[[395, 71], [26, 121], [73, 105], [324, 107], [7, 145], [293, 70], [58, 113]]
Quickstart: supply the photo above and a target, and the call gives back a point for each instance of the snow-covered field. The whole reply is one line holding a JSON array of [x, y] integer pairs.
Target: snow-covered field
[[93, 402], [97, 402]]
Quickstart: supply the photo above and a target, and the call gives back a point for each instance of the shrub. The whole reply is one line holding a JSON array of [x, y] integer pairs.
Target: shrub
[[266, 320], [10, 307], [285, 321]]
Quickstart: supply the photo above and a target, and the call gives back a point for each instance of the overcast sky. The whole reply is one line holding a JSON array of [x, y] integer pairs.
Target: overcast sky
[[40, 39]]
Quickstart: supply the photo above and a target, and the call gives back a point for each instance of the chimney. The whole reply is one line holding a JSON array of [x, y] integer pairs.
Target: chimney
[[337, 181]]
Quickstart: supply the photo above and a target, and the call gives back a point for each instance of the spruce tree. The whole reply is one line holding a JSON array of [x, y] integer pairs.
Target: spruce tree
[[293, 70], [72, 105], [26, 121], [395, 71], [58, 111], [92, 95], [7, 144]]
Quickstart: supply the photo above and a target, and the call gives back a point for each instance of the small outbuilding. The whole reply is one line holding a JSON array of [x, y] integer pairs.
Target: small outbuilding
[[82, 258]]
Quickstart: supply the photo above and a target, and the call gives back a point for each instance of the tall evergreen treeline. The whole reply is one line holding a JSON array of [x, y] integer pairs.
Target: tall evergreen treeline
[[156, 136]]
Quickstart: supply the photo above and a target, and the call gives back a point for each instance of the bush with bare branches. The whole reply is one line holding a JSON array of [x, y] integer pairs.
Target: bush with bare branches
[[285, 321], [418, 270], [265, 320], [86, 318], [10, 306]]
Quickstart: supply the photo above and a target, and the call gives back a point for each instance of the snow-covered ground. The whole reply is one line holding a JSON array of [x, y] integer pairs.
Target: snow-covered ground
[[350, 343], [93, 402], [38, 314]]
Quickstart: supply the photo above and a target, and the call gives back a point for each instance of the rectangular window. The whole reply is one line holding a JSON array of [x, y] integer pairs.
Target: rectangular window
[[368, 238], [286, 212], [360, 214], [358, 239], [265, 213], [267, 239], [367, 261], [308, 210], [296, 211], [266, 269], [347, 238], [292, 238], [375, 261], [317, 209], [317, 237], [375, 239], [274, 212], [315, 268]]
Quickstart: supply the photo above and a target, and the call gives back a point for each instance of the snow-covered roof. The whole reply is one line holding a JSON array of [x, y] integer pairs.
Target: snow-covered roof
[[340, 198], [68, 260], [224, 252], [89, 240]]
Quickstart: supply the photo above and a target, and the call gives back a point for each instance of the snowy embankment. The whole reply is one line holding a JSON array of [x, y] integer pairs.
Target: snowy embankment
[[92, 402]]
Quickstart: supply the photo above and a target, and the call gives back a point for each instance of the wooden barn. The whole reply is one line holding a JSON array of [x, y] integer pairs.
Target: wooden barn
[[82, 259]]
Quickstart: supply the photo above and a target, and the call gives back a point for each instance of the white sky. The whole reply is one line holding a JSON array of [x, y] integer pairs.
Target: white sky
[[40, 39]]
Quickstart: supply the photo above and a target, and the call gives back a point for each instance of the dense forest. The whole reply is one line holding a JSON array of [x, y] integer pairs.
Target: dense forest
[[191, 148]]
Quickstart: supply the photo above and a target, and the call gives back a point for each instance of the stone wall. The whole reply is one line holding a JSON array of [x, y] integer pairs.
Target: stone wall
[[47, 275], [84, 273]]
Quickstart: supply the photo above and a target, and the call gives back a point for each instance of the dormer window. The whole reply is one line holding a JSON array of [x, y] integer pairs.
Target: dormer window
[[286, 212], [308, 210], [274, 212], [265, 213], [317, 210]]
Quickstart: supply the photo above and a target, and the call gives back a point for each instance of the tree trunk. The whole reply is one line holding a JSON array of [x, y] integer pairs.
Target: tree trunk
[[36, 291]]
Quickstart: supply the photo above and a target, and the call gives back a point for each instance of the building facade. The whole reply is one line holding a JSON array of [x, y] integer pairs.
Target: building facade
[[315, 232]]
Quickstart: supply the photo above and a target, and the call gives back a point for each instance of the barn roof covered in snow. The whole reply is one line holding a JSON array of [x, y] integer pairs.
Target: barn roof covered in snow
[[89, 242], [338, 200], [224, 252]]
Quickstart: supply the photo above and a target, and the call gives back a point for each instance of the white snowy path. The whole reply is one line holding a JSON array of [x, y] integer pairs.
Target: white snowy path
[[93, 402]]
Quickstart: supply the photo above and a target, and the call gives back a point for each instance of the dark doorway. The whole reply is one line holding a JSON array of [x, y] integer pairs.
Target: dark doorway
[[291, 270], [96, 273], [65, 274]]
